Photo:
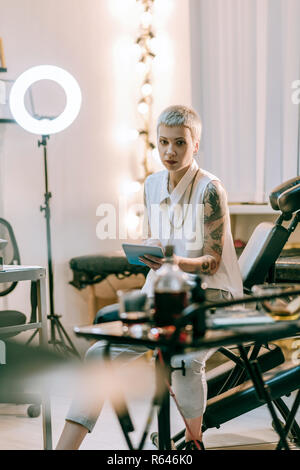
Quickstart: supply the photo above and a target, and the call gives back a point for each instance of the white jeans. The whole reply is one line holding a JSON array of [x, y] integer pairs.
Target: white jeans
[[190, 389]]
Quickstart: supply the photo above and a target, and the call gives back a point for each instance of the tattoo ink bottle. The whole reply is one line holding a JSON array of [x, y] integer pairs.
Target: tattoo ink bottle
[[197, 292], [198, 297], [170, 291]]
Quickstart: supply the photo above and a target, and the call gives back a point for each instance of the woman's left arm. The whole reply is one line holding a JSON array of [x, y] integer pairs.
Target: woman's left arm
[[215, 208]]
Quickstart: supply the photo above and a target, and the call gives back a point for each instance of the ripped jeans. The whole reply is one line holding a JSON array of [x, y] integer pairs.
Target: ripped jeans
[[190, 389]]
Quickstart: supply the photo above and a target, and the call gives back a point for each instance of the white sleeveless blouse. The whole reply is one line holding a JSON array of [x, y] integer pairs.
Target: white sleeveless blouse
[[176, 218]]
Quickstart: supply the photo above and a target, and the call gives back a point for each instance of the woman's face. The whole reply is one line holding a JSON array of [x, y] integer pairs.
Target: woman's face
[[176, 147]]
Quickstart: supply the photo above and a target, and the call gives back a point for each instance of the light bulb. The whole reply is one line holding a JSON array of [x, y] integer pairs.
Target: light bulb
[[146, 89], [142, 67], [132, 134], [143, 107], [155, 155], [130, 187], [149, 153], [132, 221], [146, 19], [127, 135]]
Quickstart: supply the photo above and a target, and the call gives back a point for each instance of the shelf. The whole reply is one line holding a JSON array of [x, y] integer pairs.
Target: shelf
[[251, 209]]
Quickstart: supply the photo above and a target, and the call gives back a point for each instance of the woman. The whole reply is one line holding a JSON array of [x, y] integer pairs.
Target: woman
[[186, 207]]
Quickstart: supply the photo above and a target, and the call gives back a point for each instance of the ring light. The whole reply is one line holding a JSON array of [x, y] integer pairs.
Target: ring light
[[45, 126]]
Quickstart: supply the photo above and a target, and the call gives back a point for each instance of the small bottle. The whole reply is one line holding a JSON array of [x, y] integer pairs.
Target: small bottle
[[170, 291], [197, 292], [198, 297]]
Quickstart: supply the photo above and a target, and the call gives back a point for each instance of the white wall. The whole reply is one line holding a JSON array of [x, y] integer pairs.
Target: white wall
[[86, 162]]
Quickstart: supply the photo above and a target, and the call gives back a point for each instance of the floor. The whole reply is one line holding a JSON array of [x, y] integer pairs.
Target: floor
[[17, 431]]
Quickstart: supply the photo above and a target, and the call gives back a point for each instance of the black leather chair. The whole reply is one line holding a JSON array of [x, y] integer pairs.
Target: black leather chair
[[230, 393], [11, 255]]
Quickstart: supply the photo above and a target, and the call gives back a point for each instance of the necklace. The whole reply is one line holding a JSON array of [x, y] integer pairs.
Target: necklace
[[188, 203]]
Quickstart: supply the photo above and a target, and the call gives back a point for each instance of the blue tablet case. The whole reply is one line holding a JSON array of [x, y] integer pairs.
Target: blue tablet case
[[133, 252]]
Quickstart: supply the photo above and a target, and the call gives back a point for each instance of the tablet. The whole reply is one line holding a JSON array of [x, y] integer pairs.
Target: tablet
[[133, 252]]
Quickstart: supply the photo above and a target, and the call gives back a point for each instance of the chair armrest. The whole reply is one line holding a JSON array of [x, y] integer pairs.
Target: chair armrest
[[279, 190]]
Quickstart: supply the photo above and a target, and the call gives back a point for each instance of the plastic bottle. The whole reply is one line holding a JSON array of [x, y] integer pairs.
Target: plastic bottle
[[171, 291]]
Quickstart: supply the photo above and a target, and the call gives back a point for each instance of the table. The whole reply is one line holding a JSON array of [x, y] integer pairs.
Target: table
[[113, 334], [17, 273]]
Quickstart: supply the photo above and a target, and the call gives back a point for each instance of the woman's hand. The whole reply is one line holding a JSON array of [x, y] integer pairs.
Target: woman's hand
[[152, 261], [155, 263]]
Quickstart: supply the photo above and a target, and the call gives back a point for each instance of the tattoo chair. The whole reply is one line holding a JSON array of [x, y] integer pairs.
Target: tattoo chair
[[11, 255], [230, 393]]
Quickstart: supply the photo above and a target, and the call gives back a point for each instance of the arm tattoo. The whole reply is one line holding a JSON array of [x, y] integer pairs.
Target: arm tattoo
[[208, 265], [217, 248], [215, 207], [218, 232], [214, 203]]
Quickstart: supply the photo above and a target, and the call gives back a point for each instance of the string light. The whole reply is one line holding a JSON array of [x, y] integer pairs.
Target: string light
[[146, 19], [143, 107], [132, 221], [130, 187], [145, 46], [146, 89], [144, 49]]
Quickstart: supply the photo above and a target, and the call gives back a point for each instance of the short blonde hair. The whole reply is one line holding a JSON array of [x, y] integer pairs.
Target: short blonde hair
[[179, 115]]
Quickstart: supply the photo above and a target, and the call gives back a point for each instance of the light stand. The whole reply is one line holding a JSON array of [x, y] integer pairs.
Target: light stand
[[64, 343], [45, 126]]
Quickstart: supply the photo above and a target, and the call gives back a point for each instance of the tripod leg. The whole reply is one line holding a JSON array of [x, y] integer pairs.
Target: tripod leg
[[62, 333], [31, 337]]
